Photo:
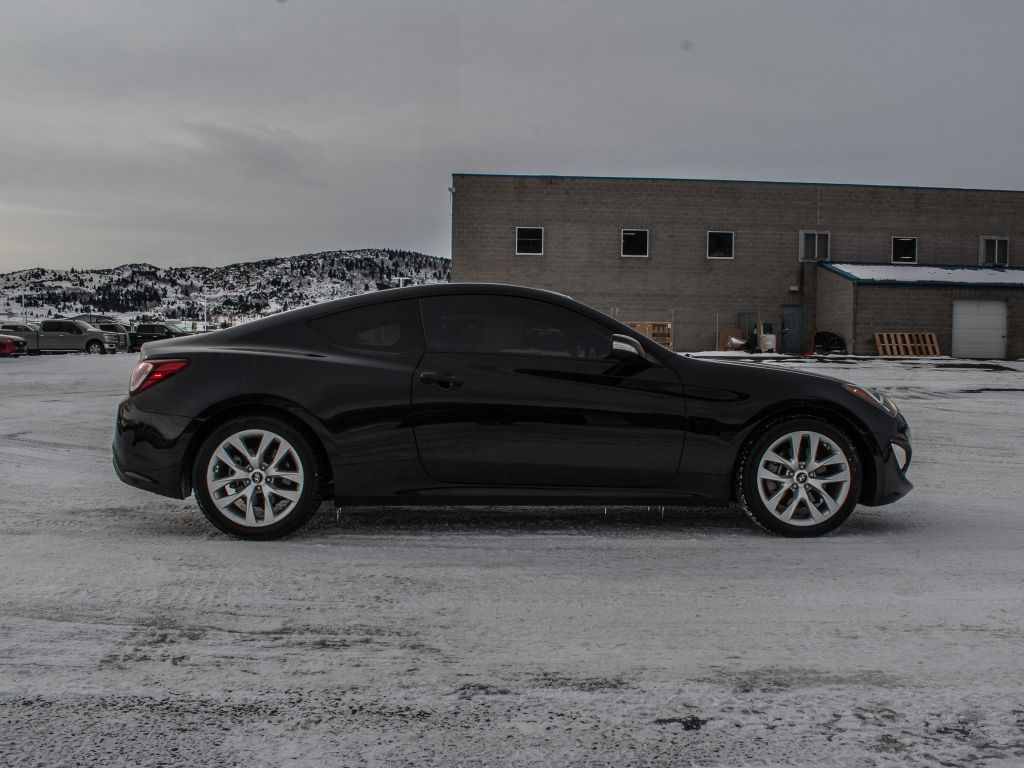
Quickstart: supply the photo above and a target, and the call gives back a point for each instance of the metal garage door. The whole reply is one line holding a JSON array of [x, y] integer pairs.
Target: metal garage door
[[979, 329]]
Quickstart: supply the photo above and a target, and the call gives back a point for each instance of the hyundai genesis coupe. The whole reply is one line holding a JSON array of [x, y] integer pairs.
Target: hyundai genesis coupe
[[491, 394]]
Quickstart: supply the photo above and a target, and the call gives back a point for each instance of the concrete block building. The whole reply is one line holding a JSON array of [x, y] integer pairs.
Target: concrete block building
[[707, 255]]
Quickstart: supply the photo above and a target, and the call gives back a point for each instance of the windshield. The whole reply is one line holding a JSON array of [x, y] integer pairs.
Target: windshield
[[175, 327]]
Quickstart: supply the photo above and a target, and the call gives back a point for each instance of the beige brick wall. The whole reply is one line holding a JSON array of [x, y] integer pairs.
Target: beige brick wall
[[583, 217], [835, 305]]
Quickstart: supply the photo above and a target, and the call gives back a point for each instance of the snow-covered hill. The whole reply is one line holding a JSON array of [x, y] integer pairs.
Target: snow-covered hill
[[237, 291]]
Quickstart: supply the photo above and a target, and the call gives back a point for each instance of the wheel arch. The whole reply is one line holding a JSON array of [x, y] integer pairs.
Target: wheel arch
[[836, 415], [289, 412]]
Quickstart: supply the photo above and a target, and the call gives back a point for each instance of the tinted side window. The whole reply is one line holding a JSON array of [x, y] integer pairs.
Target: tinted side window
[[512, 326], [145, 329], [393, 326]]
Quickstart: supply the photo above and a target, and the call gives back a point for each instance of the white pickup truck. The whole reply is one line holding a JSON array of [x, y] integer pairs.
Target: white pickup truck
[[62, 336]]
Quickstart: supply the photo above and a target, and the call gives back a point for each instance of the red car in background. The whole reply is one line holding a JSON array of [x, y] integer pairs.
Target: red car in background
[[12, 346]]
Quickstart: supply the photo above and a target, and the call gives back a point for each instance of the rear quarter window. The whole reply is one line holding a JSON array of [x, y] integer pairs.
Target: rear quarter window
[[392, 326]]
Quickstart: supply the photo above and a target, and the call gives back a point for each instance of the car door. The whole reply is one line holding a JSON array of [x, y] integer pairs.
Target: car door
[[74, 336], [143, 334], [53, 336], [516, 391]]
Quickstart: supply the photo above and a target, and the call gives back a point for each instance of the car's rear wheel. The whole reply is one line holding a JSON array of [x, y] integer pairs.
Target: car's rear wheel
[[94, 348], [799, 477], [256, 478]]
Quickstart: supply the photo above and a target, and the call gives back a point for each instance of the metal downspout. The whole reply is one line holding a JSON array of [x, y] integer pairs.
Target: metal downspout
[[853, 344]]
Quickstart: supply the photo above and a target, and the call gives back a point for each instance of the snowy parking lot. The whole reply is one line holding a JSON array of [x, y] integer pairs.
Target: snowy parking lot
[[133, 633]]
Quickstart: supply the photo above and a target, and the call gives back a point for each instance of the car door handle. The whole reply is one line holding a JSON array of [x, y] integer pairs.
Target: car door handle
[[443, 380]]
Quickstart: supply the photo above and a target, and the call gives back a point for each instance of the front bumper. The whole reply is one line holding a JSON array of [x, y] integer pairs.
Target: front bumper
[[150, 450], [891, 461]]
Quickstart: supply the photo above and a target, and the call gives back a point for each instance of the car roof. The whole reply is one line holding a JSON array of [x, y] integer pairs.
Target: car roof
[[395, 294], [256, 331]]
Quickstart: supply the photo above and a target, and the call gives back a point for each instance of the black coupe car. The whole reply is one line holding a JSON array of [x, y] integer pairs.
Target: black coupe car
[[483, 394]]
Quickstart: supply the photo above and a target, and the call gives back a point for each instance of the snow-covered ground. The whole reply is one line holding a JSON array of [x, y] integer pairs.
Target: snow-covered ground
[[131, 633]]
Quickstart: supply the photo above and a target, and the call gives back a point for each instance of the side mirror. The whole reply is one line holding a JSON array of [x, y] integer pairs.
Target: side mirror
[[626, 349]]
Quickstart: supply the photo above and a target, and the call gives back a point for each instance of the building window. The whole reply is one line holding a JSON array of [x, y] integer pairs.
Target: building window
[[529, 241], [904, 250], [814, 245], [720, 245], [634, 242], [995, 251]]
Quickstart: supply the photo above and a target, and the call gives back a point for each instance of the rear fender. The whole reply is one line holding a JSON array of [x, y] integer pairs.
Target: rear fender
[[270, 405]]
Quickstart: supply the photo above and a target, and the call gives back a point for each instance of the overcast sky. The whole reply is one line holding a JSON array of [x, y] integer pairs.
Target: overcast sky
[[206, 132]]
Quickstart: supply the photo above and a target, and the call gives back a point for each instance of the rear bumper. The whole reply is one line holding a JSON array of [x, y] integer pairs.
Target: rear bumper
[[150, 450]]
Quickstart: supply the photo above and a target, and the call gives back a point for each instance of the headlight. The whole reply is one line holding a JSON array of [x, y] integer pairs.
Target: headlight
[[874, 397], [110, 337]]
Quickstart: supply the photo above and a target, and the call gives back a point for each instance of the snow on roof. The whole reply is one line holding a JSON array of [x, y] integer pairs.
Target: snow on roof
[[919, 274]]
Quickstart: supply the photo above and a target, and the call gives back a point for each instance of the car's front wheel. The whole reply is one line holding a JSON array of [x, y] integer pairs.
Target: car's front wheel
[[256, 478], [799, 477], [94, 348]]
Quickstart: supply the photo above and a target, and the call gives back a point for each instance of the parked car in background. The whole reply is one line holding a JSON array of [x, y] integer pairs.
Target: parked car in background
[[27, 331], [154, 332], [109, 324], [489, 394], [828, 343], [71, 336], [123, 339], [12, 346]]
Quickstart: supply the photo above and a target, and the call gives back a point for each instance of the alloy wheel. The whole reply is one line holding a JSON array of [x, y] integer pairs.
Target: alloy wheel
[[803, 478], [255, 477]]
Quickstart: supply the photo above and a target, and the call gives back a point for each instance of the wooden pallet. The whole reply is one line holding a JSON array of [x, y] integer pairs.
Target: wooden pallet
[[659, 332], [907, 344]]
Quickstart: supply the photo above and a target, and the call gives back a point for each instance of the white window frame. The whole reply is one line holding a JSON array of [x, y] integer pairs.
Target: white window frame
[[815, 232], [981, 250], [892, 249], [520, 253], [622, 243], [707, 244]]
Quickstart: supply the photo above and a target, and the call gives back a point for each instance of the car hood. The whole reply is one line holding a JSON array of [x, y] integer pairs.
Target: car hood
[[759, 368]]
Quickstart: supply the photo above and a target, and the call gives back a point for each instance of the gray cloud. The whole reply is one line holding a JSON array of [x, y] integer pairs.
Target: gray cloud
[[196, 132]]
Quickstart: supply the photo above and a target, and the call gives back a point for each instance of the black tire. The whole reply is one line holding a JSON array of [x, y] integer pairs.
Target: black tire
[[836, 455], [308, 467], [94, 348]]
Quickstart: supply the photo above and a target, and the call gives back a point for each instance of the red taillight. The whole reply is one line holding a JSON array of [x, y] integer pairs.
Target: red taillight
[[150, 372]]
